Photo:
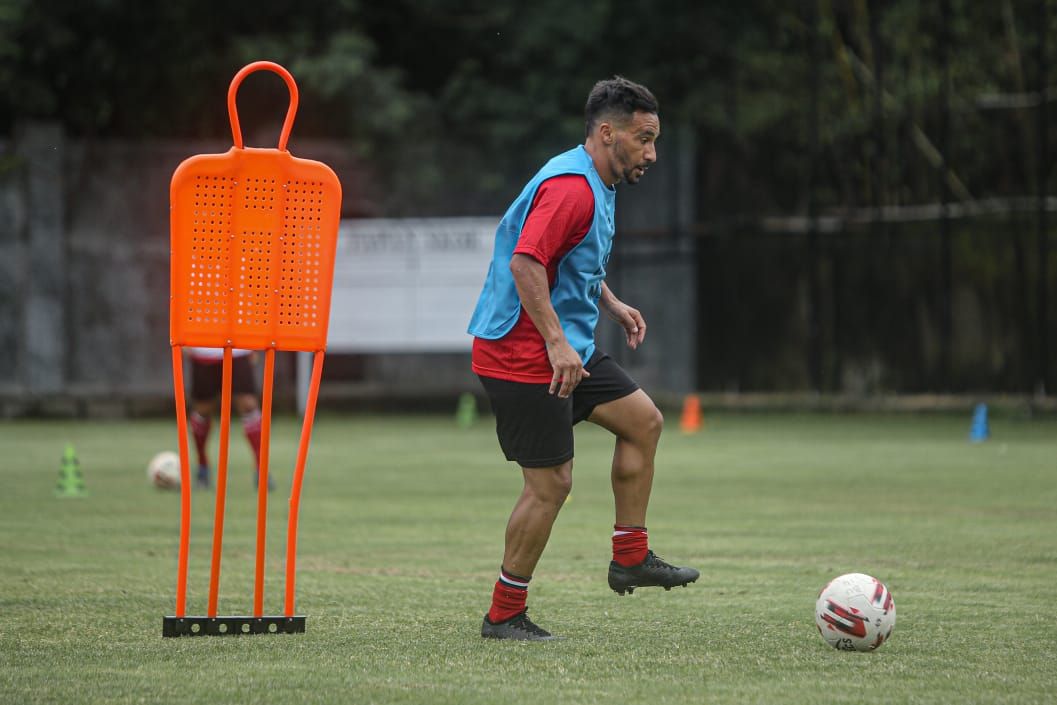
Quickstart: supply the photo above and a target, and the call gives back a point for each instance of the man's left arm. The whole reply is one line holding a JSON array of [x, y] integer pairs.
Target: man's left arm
[[629, 318]]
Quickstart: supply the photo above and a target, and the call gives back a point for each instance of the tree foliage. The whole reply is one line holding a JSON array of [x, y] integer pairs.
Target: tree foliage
[[483, 89]]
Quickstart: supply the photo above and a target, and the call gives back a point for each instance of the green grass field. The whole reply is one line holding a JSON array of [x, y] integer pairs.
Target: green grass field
[[401, 528]]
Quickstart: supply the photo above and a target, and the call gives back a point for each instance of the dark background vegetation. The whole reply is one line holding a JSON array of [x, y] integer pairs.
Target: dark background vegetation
[[870, 178]]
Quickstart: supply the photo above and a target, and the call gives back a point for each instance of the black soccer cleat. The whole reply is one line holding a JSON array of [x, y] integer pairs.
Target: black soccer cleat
[[519, 627], [652, 572]]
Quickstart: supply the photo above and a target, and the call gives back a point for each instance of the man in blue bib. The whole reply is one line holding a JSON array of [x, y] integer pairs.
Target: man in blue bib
[[534, 351]]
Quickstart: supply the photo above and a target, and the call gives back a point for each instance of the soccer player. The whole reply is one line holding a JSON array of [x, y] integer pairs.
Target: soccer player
[[534, 352], [206, 381]]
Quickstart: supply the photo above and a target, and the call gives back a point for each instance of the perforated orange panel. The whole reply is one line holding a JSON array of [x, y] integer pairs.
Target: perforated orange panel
[[254, 233]]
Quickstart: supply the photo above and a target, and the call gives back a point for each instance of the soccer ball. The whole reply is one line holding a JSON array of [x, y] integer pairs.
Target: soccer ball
[[163, 470], [855, 612]]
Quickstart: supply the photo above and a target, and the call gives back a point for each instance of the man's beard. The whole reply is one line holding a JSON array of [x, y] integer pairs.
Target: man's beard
[[630, 172]]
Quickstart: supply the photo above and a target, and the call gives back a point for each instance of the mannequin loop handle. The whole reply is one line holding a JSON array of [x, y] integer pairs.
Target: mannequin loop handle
[[233, 89]]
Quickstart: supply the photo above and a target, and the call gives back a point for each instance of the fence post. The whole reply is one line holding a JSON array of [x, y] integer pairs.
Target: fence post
[[1042, 375], [43, 357]]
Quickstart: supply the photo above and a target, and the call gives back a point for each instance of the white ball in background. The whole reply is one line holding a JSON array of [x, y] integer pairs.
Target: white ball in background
[[163, 470]]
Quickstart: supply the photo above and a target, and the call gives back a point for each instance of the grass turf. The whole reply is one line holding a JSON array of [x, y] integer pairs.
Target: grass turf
[[401, 527]]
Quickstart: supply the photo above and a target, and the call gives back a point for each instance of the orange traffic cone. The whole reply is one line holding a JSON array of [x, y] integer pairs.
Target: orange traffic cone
[[691, 421]]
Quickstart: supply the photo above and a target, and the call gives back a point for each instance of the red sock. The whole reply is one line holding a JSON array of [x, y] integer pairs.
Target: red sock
[[630, 544], [200, 430], [508, 597], [251, 424]]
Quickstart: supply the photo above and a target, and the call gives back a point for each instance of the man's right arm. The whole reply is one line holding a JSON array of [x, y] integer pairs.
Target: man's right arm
[[533, 289]]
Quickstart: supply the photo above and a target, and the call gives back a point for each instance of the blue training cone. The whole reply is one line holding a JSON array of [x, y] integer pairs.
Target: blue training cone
[[980, 430]]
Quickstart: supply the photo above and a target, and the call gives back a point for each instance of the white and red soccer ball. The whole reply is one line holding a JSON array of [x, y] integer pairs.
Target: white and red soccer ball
[[163, 470], [855, 612]]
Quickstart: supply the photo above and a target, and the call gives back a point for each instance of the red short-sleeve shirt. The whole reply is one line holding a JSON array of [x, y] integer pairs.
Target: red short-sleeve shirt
[[560, 217]]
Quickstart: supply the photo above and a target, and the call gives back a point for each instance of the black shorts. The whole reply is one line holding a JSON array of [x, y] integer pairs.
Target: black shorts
[[535, 428], [207, 377]]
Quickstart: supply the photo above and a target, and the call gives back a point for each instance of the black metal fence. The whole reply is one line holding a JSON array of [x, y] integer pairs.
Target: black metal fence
[[887, 308]]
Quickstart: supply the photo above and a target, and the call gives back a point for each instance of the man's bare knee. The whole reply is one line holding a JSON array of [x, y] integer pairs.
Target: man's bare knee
[[647, 429], [245, 403], [549, 485], [563, 485], [654, 423]]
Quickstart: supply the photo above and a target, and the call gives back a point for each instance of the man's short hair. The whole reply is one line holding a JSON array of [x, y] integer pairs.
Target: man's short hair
[[619, 98]]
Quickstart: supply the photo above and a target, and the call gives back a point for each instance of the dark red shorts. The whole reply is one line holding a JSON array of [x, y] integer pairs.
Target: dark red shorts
[[206, 378]]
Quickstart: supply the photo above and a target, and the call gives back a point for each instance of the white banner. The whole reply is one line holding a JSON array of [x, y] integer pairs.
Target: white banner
[[408, 285]]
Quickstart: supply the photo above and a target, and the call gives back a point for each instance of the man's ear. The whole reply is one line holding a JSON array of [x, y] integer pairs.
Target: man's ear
[[605, 131]]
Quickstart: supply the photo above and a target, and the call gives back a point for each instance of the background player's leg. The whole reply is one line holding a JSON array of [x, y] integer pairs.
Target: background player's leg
[[636, 422], [246, 403], [250, 413], [200, 421]]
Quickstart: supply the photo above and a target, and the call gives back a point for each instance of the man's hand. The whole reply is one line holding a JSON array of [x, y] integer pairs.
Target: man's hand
[[629, 318], [568, 367]]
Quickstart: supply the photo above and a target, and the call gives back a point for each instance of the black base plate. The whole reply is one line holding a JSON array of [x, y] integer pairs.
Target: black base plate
[[232, 626]]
